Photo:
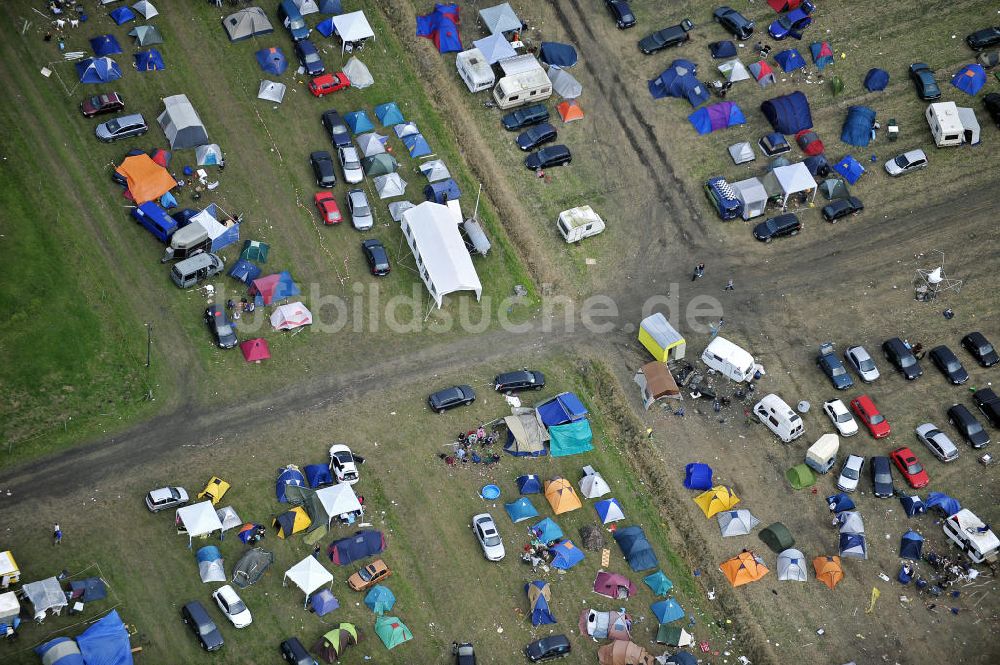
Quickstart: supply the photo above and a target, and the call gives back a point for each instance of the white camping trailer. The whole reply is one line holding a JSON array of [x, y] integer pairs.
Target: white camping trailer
[[474, 70]]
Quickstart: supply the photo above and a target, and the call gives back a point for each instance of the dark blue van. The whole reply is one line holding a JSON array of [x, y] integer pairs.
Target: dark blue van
[[723, 198], [292, 19], [156, 220]]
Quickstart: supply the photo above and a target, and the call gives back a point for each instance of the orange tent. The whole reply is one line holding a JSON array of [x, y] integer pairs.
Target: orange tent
[[744, 568], [561, 496], [570, 110], [145, 179], [828, 570], [622, 652]]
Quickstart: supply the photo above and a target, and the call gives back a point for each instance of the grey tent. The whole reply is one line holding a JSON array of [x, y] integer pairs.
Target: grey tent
[[145, 9], [381, 164], [405, 129], [251, 566], [742, 152], [834, 188], [397, 208], [777, 537], [850, 522], [209, 155], [435, 170], [734, 71], [306, 6], [371, 143], [525, 433], [271, 91], [736, 522], [390, 186], [500, 18], [792, 566], [753, 194], [357, 73], [247, 23], [181, 123], [146, 35], [564, 84]]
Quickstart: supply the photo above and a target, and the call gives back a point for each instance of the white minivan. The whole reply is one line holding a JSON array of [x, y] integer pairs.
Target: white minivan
[[729, 359], [972, 536], [779, 418]]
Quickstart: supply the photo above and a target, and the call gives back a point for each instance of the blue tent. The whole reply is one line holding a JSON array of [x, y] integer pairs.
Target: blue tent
[[609, 510], [530, 484], [570, 439], [850, 168], [520, 510], [98, 70], [853, 546], [698, 476], [326, 27], [554, 53], [910, 545], [944, 503], [822, 54], [679, 80], [817, 165], [380, 599], [724, 49], [272, 60], [358, 122], [244, 271], [716, 116], [88, 590], [876, 79], [148, 61], [547, 531], [838, 503], [636, 548], [361, 545], [561, 409], [658, 583], [540, 613], [122, 15], [969, 79], [858, 126], [667, 611], [323, 602], [69, 653], [442, 191], [913, 505], [389, 114], [285, 478], [788, 114], [417, 145], [329, 7], [105, 642], [565, 555], [273, 288], [105, 45], [440, 27], [790, 60], [167, 201], [682, 658], [318, 475]]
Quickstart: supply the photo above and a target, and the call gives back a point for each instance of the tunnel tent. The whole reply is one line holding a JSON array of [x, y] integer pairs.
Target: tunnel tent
[[247, 23], [636, 548], [858, 124], [777, 537], [555, 53], [181, 123], [674, 636], [716, 116], [876, 79], [788, 114], [613, 585]]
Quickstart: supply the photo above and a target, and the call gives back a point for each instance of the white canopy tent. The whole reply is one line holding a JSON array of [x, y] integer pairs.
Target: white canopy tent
[[308, 575], [500, 18], [789, 180], [338, 500], [198, 519], [45, 595], [352, 27], [358, 74], [271, 91], [443, 260]]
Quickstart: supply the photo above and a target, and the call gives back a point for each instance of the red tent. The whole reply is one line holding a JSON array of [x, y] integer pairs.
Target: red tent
[[784, 5], [161, 157], [809, 142], [273, 288], [255, 350]]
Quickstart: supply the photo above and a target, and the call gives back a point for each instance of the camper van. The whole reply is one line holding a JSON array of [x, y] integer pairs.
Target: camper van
[[193, 270], [779, 418], [474, 70], [522, 88], [578, 223], [292, 19], [723, 198], [822, 455], [972, 536], [186, 242], [732, 361], [946, 126]]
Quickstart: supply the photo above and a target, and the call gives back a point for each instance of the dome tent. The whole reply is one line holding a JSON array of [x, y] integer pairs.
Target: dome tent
[[828, 570], [658, 583], [792, 566]]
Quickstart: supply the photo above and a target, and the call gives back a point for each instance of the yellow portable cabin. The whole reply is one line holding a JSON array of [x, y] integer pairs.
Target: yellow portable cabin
[[661, 339]]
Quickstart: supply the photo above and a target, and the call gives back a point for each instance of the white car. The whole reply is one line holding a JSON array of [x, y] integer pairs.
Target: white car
[[937, 442], [232, 607], [166, 497], [851, 473], [488, 536], [858, 358], [351, 164], [342, 464], [908, 161], [841, 417]]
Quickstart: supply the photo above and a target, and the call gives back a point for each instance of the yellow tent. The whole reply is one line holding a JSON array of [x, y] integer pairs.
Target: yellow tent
[[561, 496], [145, 179], [291, 522], [743, 568], [660, 338], [215, 489], [716, 500], [828, 570]]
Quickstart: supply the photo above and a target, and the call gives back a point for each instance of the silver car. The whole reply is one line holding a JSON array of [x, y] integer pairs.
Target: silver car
[[488, 536], [937, 442], [351, 164], [908, 161], [122, 127], [359, 210], [851, 473], [858, 358]]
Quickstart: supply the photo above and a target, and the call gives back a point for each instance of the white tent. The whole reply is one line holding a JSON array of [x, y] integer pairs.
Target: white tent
[[970, 124], [181, 123], [306, 6], [352, 27], [397, 208], [500, 18], [494, 48], [742, 152], [734, 71], [736, 522], [753, 195], [612, 510], [405, 129], [199, 519], [45, 595], [271, 91], [371, 143], [292, 315], [10, 607], [792, 566], [435, 170], [593, 485], [357, 73], [209, 155], [247, 23], [229, 518], [564, 84], [788, 180], [308, 575], [851, 522], [212, 570], [338, 500], [442, 258], [146, 9], [389, 186]]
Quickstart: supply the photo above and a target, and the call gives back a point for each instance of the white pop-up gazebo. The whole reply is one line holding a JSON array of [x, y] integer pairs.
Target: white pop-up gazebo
[[338, 500], [308, 575], [352, 27], [788, 180], [198, 519]]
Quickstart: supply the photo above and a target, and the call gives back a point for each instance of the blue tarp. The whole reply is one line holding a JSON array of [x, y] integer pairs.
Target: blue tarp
[[442, 191], [876, 79], [105, 45], [724, 49], [913, 505], [790, 60], [326, 27], [850, 168], [570, 439], [380, 599], [858, 125], [943, 503], [285, 478], [838, 503], [358, 121], [361, 545], [540, 613], [520, 510], [318, 475], [822, 54], [98, 70], [667, 611], [565, 555], [717, 116], [440, 27], [60, 651], [122, 15], [149, 61], [698, 476], [106, 642], [547, 531], [529, 484], [417, 145], [244, 271], [167, 201], [658, 583], [969, 79], [389, 114], [323, 602], [636, 548], [910, 545], [554, 53], [272, 60], [679, 80], [788, 114], [561, 409]]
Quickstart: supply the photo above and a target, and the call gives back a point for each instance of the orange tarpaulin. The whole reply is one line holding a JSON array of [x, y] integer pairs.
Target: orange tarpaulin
[[744, 568], [561, 495], [828, 570], [145, 179], [622, 652], [570, 110]]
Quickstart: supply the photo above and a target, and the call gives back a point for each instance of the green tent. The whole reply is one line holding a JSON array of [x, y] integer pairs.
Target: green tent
[[800, 477], [777, 537], [392, 631], [332, 645], [674, 636], [570, 439], [836, 85], [381, 164], [659, 583], [254, 250]]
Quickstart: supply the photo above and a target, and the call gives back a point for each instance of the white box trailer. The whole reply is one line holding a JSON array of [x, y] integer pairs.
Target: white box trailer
[[522, 88], [946, 126], [474, 70], [578, 223], [972, 536]]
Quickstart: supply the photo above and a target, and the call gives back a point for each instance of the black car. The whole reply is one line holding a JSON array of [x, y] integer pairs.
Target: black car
[[984, 38], [842, 208], [667, 37], [980, 348], [335, 127], [992, 104], [944, 359], [223, 330], [522, 380], [989, 405], [775, 227], [309, 58], [971, 429], [525, 117], [449, 398], [739, 25], [553, 646], [621, 12], [322, 164], [882, 477], [924, 81], [196, 617], [465, 653], [294, 652], [378, 260], [902, 358], [535, 136], [553, 155]]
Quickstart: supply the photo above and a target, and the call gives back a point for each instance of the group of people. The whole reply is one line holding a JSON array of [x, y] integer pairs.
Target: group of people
[[243, 306], [464, 447]]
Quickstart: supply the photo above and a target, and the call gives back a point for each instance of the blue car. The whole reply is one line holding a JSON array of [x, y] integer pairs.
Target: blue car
[[309, 57], [793, 23], [833, 367]]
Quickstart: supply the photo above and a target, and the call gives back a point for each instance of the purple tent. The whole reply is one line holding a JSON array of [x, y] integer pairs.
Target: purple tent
[[716, 116]]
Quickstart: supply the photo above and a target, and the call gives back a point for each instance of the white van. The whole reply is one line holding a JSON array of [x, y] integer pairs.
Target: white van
[[779, 417], [578, 223], [192, 270], [474, 70], [732, 361], [972, 536], [522, 88]]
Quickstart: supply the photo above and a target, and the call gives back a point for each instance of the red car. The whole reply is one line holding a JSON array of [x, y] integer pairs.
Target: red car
[[864, 408], [910, 467], [327, 83], [109, 102], [328, 209]]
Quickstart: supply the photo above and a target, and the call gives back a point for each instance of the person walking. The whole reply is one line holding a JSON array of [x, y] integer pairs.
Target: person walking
[[316, 552], [57, 534], [729, 286]]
